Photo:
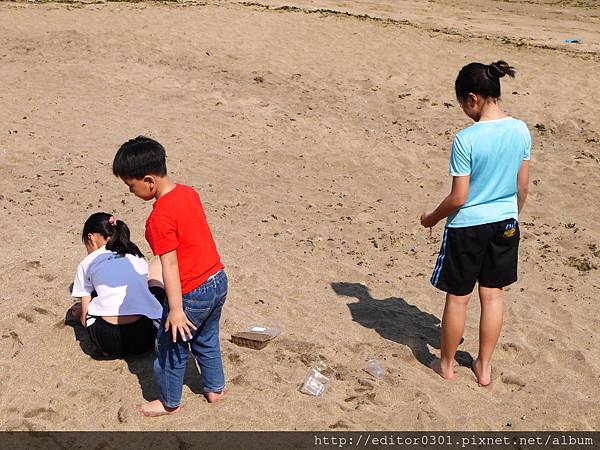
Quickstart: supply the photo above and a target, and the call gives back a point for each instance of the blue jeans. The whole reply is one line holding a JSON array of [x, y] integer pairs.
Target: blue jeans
[[202, 306]]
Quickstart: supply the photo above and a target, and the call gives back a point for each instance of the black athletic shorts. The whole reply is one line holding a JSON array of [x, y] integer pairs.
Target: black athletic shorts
[[485, 253]]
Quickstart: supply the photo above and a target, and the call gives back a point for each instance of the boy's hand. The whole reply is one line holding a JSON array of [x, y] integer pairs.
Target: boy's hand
[[427, 221], [179, 323], [176, 320]]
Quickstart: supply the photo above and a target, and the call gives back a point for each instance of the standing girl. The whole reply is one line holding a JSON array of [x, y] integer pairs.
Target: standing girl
[[117, 304], [489, 164]]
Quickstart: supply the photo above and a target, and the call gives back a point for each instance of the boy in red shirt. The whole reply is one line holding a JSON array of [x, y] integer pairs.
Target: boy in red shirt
[[194, 279]]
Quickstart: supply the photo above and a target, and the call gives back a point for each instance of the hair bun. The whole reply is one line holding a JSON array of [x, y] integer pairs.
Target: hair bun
[[500, 68]]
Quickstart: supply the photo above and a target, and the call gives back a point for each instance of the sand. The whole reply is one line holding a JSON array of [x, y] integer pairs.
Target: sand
[[315, 141]]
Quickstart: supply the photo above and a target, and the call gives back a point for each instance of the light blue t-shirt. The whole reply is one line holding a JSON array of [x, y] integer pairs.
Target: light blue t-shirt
[[491, 152]]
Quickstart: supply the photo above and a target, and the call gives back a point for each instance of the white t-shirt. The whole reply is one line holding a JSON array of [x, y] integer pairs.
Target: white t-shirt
[[121, 283]]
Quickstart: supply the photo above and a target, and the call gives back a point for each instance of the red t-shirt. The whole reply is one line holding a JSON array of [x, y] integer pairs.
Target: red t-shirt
[[177, 222]]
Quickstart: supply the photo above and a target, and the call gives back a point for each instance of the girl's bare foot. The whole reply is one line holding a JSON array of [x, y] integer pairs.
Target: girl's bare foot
[[483, 374], [213, 397], [443, 371], [154, 408]]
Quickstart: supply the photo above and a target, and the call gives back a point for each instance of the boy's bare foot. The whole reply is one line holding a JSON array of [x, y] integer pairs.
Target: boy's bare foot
[[445, 372], [154, 408], [483, 374], [213, 397]]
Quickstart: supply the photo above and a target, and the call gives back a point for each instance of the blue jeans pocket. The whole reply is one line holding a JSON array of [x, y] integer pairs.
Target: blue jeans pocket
[[198, 304], [196, 315]]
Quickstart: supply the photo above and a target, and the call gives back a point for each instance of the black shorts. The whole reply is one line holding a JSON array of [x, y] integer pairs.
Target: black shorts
[[129, 339], [123, 340], [485, 253]]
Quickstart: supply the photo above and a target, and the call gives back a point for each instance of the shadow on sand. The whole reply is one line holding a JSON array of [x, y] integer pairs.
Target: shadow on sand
[[139, 365], [398, 321]]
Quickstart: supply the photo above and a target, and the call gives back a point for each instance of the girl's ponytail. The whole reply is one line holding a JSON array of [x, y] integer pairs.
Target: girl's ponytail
[[116, 231], [500, 68], [120, 242], [482, 79]]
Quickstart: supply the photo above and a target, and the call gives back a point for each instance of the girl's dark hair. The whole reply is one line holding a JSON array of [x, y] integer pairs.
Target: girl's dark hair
[[482, 79], [139, 157], [117, 234]]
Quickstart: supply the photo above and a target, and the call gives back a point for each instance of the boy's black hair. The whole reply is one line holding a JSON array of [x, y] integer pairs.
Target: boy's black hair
[[118, 234], [482, 79], [140, 157]]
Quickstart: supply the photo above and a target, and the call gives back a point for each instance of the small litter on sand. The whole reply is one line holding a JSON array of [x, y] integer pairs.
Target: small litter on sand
[[317, 380], [255, 337], [374, 368]]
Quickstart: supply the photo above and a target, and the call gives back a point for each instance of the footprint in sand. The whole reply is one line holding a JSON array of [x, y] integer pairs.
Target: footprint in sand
[[236, 361], [235, 358], [518, 353], [20, 425], [512, 381], [26, 317], [577, 361], [46, 413], [124, 414], [311, 359], [363, 393], [340, 425], [32, 265], [342, 373], [361, 399], [47, 277], [15, 337], [239, 379], [306, 350], [365, 384], [427, 414]]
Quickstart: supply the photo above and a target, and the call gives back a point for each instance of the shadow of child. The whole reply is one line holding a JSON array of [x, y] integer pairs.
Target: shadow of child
[[397, 320]]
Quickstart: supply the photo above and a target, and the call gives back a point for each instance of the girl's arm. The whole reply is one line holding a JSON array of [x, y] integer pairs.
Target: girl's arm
[[176, 320], [457, 197], [85, 304], [523, 184]]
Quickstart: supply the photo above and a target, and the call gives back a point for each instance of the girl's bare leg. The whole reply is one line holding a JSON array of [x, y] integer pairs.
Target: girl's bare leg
[[490, 326], [453, 326], [155, 277]]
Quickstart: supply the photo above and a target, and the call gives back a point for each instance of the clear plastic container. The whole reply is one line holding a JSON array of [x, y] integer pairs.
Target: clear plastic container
[[316, 381], [272, 332], [374, 368]]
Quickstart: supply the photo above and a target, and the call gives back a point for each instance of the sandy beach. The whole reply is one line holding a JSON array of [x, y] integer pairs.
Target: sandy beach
[[316, 132]]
